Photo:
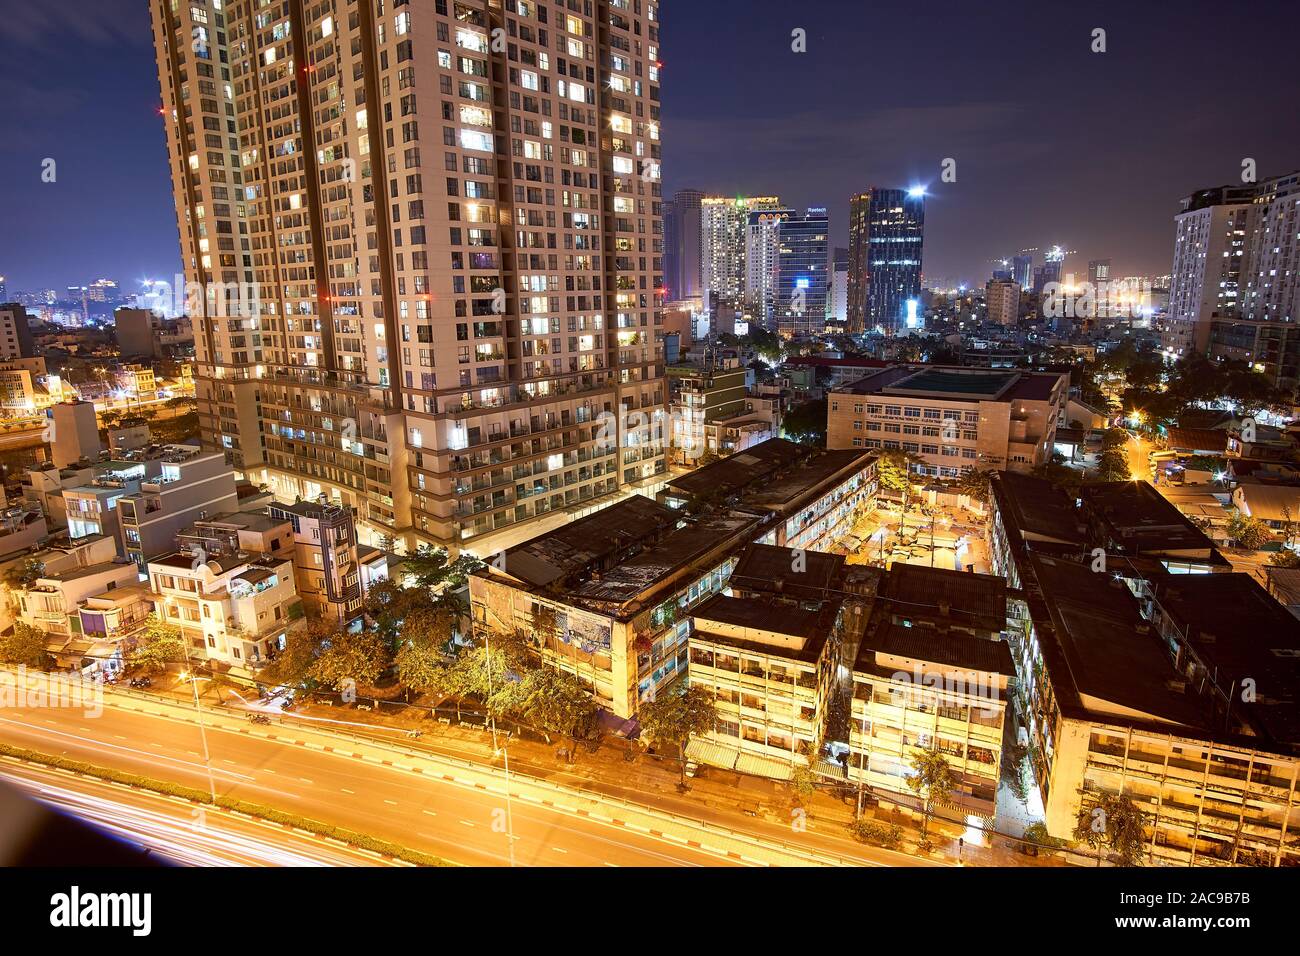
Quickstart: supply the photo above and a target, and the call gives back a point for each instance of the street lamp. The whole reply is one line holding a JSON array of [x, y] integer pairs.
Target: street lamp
[[203, 731], [504, 750]]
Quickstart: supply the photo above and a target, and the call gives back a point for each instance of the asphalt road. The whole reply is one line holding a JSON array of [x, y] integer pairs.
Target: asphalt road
[[460, 823], [176, 829]]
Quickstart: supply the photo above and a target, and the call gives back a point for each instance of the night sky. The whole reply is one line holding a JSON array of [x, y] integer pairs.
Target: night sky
[[1053, 143]]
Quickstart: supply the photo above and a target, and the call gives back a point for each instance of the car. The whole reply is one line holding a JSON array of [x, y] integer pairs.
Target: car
[[142, 681]]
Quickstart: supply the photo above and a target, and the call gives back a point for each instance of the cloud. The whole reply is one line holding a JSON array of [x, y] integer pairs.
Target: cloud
[[37, 27]]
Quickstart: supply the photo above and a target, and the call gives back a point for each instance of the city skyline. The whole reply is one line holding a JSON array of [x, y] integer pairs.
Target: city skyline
[[1118, 135]]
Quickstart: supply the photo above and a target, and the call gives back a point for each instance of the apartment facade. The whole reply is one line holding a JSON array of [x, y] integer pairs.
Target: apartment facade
[[325, 560], [953, 419], [724, 243], [770, 667], [1233, 289], [609, 597], [449, 231], [1002, 300], [701, 395], [234, 610], [1131, 681], [188, 486], [15, 332]]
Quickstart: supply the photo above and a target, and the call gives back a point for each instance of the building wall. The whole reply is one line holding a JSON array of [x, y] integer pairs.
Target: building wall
[[377, 347], [921, 706], [950, 436], [768, 704]]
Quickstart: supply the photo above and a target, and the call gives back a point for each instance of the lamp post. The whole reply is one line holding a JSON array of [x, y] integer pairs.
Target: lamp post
[[203, 731], [504, 750]]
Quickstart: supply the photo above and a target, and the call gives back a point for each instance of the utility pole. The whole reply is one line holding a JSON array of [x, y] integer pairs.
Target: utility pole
[[504, 750], [203, 730]]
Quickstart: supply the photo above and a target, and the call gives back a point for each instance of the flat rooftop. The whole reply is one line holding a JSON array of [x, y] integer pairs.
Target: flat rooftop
[[1035, 508], [741, 470], [73, 574], [955, 383], [591, 541], [1140, 519], [790, 490], [659, 562], [1099, 650], [987, 385], [811, 628], [1241, 632], [966, 598], [237, 521], [932, 645], [769, 569]]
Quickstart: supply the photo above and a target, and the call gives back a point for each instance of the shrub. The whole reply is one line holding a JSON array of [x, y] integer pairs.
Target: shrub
[[887, 835]]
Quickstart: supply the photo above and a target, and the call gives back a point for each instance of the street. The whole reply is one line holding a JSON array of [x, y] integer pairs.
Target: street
[[177, 829], [439, 805]]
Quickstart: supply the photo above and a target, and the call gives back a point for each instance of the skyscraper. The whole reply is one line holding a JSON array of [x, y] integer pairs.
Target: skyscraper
[[1050, 271], [724, 234], [1002, 301], [763, 264], [446, 218], [1235, 288], [837, 302], [1022, 270], [682, 244], [802, 281], [1098, 271], [886, 234]]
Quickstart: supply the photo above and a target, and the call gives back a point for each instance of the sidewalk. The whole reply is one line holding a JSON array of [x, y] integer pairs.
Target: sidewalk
[[715, 795]]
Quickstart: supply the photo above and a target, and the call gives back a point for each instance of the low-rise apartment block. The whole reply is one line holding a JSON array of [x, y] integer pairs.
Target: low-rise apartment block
[[952, 419], [188, 486], [1177, 692], [932, 672], [233, 610], [609, 596], [770, 665], [325, 558]]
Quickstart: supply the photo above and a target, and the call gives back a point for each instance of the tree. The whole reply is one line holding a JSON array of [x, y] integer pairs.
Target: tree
[[157, 645], [431, 569], [1249, 532], [389, 606], [1113, 438], [1112, 466], [1113, 823], [493, 673], [931, 780], [292, 665], [358, 656], [558, 703], [803, 781], [806, 423], [1286, 558], [25, 573], [974, 483], [894, 472], [432, 627], [421, 667], [674, 718], [24, 645]]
